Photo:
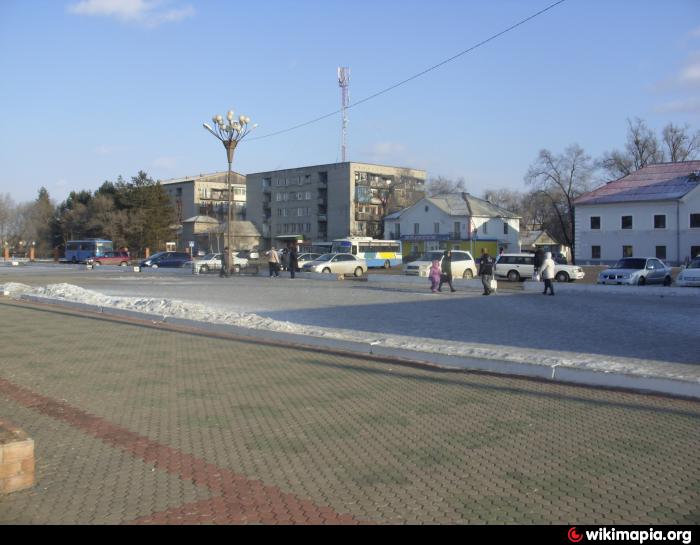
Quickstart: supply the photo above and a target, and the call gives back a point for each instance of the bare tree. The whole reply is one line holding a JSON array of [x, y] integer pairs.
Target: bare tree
[[8, 211], [642, 149], [561, 179], [680, 144], [442, 186]]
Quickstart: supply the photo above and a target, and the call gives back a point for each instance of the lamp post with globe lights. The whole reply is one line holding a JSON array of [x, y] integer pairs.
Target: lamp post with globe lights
[[230, 132]]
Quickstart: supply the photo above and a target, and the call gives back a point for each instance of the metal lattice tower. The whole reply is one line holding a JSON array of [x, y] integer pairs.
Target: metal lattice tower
[[344, 83]]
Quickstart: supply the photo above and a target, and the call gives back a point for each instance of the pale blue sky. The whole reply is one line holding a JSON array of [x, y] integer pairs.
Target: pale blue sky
[[92, 89]]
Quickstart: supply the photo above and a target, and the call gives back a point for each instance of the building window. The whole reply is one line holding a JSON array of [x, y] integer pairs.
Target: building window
[[661, 252], [397, 230], [505, 228], [627, 222], [627, 251], [485, 228], [458, 229], [595, 222], [595, 252], [416, 229], [695, 221], [660, 221], [436, 228]]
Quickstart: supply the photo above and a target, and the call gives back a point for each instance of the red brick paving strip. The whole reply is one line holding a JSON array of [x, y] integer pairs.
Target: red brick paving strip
[[240, 500]]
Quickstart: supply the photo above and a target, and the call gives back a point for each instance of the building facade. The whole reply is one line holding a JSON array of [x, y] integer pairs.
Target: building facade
[[206, 195], [326, 202], [458, 221], [654, 212]]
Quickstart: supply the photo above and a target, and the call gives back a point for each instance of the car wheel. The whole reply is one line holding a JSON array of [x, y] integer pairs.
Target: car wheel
[[514, 276], [96, 263], [204, 269], [358, 272], [237, 269], [123, 264], [387, 265], [642, 281], [326, 270], [74, 261], [154, 266], [562, 277], [468, 274], [667, 281]]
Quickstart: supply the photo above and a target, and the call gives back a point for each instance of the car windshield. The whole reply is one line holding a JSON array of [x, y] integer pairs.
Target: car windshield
[[207, 257], [159, 254], [430, 256], [325, 257], [631, 264], [694, 264]]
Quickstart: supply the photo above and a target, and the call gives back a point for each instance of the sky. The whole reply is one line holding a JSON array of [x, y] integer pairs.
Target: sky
[[94, 89]]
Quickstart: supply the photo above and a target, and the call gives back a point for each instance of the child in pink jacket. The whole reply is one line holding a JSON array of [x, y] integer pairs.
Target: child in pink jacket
[[434, 275]]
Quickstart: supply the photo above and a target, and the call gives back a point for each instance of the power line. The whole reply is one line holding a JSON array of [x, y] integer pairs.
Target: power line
[[415, 76]]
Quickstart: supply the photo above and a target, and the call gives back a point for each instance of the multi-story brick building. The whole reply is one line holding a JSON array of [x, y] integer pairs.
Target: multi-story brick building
[[325, 202]]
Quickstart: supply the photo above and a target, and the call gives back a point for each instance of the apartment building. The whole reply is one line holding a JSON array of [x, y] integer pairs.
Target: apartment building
[[326, 202], [207, 195]]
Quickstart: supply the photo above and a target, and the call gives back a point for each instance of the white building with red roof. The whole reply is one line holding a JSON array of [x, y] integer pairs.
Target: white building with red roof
[[653, 212]]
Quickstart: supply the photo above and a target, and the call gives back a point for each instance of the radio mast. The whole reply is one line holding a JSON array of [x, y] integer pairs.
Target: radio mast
[[344, 83]]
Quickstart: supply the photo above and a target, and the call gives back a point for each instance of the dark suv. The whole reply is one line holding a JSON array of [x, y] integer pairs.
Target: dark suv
[[167, 259]]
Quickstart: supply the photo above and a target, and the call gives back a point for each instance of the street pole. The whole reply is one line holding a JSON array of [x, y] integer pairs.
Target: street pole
[[230, 148]]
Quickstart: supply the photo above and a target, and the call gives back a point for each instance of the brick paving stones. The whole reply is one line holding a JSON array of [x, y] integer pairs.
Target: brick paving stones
[[137, 425]]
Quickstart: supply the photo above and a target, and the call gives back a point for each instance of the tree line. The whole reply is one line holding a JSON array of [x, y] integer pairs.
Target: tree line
[[135, 214], [555, 180]]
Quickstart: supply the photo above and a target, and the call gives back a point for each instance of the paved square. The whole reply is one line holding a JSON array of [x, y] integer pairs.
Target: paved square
[[133, 424]]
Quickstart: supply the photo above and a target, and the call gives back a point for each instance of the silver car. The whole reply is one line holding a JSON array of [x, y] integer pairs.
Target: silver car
[[337, 264], [637, 271]]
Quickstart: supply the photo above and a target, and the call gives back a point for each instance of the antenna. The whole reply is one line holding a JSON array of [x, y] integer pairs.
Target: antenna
[[344, 83]]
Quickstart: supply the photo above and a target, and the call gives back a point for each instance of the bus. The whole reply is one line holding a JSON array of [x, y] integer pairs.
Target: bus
[[79, 251], [377, 253]]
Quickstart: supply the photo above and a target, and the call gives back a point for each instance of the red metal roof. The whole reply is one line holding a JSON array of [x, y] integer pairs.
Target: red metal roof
[[663, 181]]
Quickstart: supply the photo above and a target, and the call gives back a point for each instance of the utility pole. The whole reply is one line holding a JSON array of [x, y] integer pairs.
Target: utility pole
[[344, 83]]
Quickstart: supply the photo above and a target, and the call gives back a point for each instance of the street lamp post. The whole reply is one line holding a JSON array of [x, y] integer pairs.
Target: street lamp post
[[230, 132]]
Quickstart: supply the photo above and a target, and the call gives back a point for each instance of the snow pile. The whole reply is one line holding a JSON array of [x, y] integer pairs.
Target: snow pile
[[217, 315]]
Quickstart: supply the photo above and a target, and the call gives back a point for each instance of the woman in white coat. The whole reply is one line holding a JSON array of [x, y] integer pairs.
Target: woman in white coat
[[547, 273]]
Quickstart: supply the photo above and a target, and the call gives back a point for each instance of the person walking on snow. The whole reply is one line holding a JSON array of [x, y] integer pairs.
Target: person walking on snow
[[273, 260], [486, 271], [293, 260], [547, 273], [225, 256], [434, 274], [447, 271]]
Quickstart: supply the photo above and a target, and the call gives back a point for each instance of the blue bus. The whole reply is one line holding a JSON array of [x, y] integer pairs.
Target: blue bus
[[377, 253], [79, 251]]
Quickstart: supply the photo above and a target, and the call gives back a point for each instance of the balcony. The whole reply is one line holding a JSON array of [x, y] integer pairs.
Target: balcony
[[322, 218]]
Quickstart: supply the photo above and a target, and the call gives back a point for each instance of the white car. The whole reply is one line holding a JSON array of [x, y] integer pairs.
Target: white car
[[337, 264], [690, 276], [518, 267], [463, 265], [637, 271], [212, 262]]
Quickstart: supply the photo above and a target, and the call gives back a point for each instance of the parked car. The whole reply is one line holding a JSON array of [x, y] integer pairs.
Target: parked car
[[519, 267], [302, 259], [463, 265], [167, 259], [110, 258], [637, 271], [249, 254], [337, 264], [690, 276], [212, 262]]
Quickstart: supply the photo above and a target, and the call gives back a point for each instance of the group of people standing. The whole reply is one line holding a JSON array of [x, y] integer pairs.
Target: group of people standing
[[441, 273], [283, 259]]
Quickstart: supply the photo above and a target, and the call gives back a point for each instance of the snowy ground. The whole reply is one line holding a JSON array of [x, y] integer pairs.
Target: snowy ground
[[641, 331]]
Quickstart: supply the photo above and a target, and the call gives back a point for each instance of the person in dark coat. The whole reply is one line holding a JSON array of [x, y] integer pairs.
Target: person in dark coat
[[486, 271], [446, 275], [539, 258], [293, 260], [225, 257]]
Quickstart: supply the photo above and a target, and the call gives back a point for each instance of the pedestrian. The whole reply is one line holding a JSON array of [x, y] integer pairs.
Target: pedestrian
[[434, 274], [293, 260], [225, 257], [273, 260], [284, 258], [486, 271], [539, 258], [447, 271], [547, 273]]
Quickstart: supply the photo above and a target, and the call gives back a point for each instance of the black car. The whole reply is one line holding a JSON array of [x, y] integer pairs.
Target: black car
[[167, 259]]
